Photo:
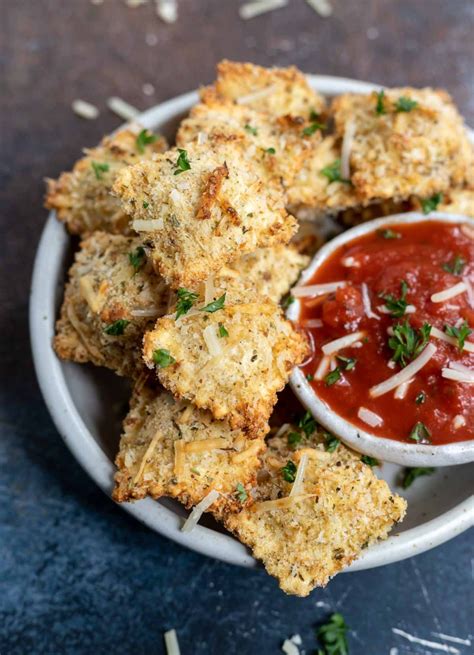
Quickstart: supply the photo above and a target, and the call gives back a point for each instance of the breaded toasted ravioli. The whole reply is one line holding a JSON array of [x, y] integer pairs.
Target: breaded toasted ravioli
[[171, 448], [112, 297], [82, 197], [201, 208], [458, 201], [337, 509], [277, 91], [404, 142], [231, 361]]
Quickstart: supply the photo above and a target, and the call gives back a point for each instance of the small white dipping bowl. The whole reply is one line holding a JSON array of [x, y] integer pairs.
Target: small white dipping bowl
[[388, 450]]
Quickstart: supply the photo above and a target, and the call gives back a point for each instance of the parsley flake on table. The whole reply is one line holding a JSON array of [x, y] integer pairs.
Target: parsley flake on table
[[460, 333], [137, 258], [144, 139], [117, 328], [99, 169], [333, 636], [455, 266], [420, 433], [289, 471], [332, 377], [241, 493], [182, 163], [430, 204], [186, 300], [333, 173], [407, 342], [370, 461], [405, 104], [396, 306], [389, 234], [411, 474], [215, 305], [162, 358], [380, 105]]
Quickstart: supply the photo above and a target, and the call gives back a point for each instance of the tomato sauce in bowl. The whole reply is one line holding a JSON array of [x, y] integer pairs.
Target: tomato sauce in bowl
[[391, 318]]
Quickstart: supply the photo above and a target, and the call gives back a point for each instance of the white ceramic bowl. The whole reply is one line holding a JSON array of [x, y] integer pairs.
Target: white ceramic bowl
[[387, 450], [85, 403]]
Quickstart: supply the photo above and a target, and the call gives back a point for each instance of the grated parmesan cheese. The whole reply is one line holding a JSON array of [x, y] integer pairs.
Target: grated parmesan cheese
[[290, 648], [256, 95], [122, 108], [313, 323], [409, 309], [347, 143], [402, 389], [458, 376], [343, 342], [144, 225], [350, 262], [366, 302], [297, 488], [448, 293], [150, 311], [469, 291], [459, 421], [209, 290], [457, 366], [442, 336], [372, 419], [212, 340], [85, 110], [171, 643], [468, 231], [405, 374], [199, 510], [323, 368], [316, 289], [87, 292]]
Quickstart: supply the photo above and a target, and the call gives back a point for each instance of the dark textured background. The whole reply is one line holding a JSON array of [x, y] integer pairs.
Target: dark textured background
[[77, 575]]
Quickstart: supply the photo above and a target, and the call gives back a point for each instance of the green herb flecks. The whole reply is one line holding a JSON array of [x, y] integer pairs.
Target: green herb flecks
[[460, 333], [332, 377], [215, 305], [287, 301], [313, 128], [331, 443], [396, 306], [430, 204], [117, 328], [162, 358], [407, 342], [270, 151], [370, 461], [186, 300], [420, 433], [182, 163], [222, 332], [405, 104], [421, 397], [99, 169], [145, 204], [289, 471], [333, 636], [333, 173], [137, 258], [309, 377], [348, 363], [380, 106], [455, 266], [240, 492], [389, 234], [307, 424], [251, 130], [145, 138], [411, 474], [294, 438]]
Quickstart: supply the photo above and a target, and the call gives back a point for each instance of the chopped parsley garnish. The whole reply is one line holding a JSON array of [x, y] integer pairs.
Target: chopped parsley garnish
[[460, 333], [332, 377], [370, 461], [186, 300], [289, 471], [314, 116], [421, 397], [333, 636], [222, 332], [410, 474], [287, 301], [145, 204], [99, 169], [251, 130], [137, 258], [348, 363], [333, 173], [380, 106], [455, 266], [162, 358], [389, 234], [241, 493], [309, 377], [215, 305], [117, 328], [407, 342], [396, 306], [144, 139], [420, 433], [294, 438], [307, 424], [331, 442], [311, 129], [430, 204], [270, 151], [405, 104], [182, 163]]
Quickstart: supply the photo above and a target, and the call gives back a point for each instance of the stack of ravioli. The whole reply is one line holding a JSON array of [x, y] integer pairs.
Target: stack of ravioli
[[185, 256]]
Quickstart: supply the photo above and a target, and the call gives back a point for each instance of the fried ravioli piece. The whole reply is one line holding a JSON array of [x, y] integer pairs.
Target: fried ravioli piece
[[276, 91], [458, 201], [202, 208], [231, 361], [82, 197], [171, 448], [406, 142], [339, 509], [112, 297]]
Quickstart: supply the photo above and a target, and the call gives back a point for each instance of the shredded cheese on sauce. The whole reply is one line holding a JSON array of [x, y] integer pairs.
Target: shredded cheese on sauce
[[409, 309], [459, 421], [457, 376], [405, 374], [442, 336], [316, 289], [451, 292], [366, 302], [457, 366], [199, 510], [469, 291], [313, 323], [372, 419], [350, 262], [343, 342], [323, 368], [402, 389]]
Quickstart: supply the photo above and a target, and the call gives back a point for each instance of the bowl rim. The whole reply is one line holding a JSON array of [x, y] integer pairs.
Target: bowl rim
[[364, 441], [48, 266]]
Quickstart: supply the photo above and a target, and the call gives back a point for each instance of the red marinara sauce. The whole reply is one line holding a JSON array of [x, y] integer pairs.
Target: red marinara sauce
[[409, 262]]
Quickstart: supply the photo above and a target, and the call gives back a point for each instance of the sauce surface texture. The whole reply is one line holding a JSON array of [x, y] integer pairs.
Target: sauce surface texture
[[390, 280]]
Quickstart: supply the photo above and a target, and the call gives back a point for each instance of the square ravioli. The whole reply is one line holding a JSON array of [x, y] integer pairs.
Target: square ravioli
[[276, 91], [402, 142], [202, 207], [231, 359], [170, 448], [113, 295], [314, 511], [82, 198]]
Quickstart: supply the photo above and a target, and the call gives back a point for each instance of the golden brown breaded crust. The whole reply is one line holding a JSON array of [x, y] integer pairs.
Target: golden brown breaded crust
[[171, 448], [206, 216], [277, 91], [341, 509], [250, 364], [82, 197], [104, 288], [398, 153]]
